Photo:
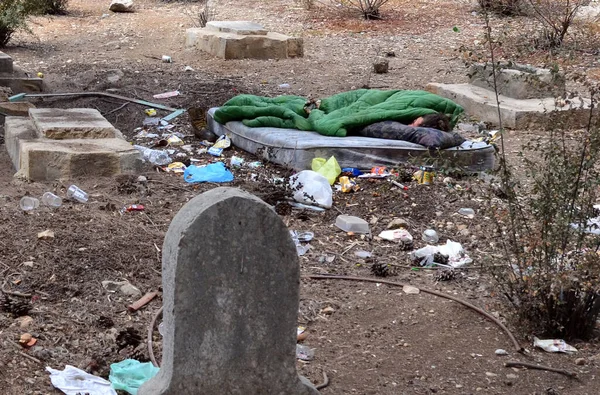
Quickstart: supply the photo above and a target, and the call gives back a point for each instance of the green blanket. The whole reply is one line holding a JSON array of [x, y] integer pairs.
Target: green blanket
[[338, 114]]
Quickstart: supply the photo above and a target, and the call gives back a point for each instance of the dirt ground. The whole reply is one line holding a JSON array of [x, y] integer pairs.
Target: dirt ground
[[374, 338]]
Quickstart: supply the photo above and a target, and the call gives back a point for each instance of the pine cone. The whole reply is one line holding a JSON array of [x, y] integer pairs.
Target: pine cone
[[445, 275], [15, 305]]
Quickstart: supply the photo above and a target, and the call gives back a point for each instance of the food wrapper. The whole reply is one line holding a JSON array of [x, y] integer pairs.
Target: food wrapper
[[223, 142], [150, 112], [348, 185]]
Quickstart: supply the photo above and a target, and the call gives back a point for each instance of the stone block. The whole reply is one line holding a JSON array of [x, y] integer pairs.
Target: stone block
[[543, 113], [519, 81], [22, 84], [77, 123], [234, 46], [230, 295], [17, 109], [6, 63], [244, 28], [42, 159]]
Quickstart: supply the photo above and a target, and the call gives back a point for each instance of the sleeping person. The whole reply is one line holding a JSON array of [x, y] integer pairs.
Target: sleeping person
[[432, 131]]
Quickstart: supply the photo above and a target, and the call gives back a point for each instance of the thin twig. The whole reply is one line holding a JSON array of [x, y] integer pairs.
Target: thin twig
[[517, 364], [429, 291], [34, 359], [117, 109]]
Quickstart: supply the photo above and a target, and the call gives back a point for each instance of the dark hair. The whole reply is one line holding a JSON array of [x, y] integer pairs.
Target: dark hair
[[436, 121]]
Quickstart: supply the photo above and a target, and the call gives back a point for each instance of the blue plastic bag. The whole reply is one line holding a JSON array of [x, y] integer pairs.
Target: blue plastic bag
[[129, 375], [215, 172]]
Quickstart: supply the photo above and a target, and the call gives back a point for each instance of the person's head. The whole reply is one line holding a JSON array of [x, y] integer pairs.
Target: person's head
[[436, 121]]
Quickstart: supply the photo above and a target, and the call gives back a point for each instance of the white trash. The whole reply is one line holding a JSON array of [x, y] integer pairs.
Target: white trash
[[553, 345], [311, 188], [73, 381]]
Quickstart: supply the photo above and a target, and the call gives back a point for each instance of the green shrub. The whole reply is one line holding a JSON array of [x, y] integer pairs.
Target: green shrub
[[52, 7], [13, 16]]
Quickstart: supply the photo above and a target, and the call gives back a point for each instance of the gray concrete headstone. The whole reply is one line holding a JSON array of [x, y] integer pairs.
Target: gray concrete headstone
[[230, 292]]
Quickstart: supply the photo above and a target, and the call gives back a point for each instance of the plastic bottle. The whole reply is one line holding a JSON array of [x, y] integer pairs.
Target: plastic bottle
[[50, 199], [156, 157], [430, 236], [77, 194], [467, 212], [28, 203]]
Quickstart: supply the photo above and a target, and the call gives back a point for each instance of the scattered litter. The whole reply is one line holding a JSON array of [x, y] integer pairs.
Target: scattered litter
[[301, 334], [174, 140], [189, 68], [326, 258], [176, 167], [132, 207], [299, 237], [167, 59], [27, 340], [215, 172], [431, 255], [73, 381], [377, 172], [236, 161], [125, 287], [255, 164], [166, 95], [467, 212], [51, 200], [430, 236], [156, 157], [129, 375], [150, 112], [311, 188], [46, 235], [553, 345], [592, 224], [214, 151], [143, 134], [351, 172], [304, 353], [401, 186], [329, 168], [501, 352], [328, 310], [28, 203], [284, 86], [409, 289], [223, 142], [363, 254], [305, 206], [348, 223], [151, 121], [424, 175], [348, 185], [398, 235]]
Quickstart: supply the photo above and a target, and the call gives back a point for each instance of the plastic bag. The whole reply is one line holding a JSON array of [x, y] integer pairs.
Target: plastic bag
[[129, 375], [215, 172], [329, 169], [553, 345], [311, 188], [457, 257], [73, 381]]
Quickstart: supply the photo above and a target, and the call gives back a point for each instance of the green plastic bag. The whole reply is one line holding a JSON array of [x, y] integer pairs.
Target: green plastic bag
[[129, 375], [329, 169]]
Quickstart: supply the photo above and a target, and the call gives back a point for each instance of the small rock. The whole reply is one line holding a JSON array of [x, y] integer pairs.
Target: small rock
[[512, 376], [122, 286], [142, 179], [381, 66], [501, 352], [121, 6], [25, 321], [398, 223], [46, 235], [580, 361], [408, 289], [28, 263], [490, 374], [130, 290]]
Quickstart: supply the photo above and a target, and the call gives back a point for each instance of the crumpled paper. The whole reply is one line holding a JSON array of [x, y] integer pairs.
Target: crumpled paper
[[73, 381]]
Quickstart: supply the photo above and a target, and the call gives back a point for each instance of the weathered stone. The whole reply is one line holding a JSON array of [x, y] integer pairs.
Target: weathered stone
[[544, 113], [6, 63], [17, 109], [22, 84], [41, 159], [518, 81], [76, 123], [228, 45], [381, 66], [121, 6], [243, 28], [230, 296]]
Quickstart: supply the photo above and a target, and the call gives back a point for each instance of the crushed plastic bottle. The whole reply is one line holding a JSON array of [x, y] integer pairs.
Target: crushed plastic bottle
[[50, 199], [75, 193], [28, 203], [304, 353], [467, 212], [430, 236], [156, 157]]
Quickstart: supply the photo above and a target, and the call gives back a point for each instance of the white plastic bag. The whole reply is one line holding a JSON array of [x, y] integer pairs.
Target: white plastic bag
[[553, 345], [457, 257], [311, 188], [73, 381]]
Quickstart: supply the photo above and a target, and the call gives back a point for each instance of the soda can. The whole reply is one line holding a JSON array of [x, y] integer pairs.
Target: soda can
[[427, 175]]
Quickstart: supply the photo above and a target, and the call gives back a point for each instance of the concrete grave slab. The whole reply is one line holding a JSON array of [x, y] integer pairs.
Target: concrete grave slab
[[230, 45], [6, 63], [542, 113], [230, 296], [243, 28], [77, 123], [42, 159]]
